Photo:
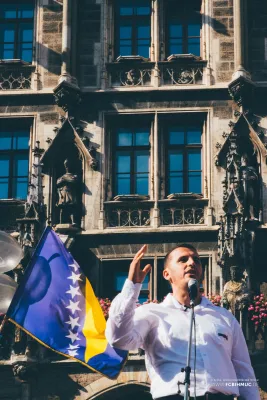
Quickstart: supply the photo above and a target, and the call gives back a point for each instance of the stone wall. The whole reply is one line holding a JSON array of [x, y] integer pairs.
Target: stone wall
[[49, 44], [68, 380], [222, 57]]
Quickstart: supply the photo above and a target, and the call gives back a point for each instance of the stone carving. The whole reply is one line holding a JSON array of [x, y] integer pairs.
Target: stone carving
[[68, 202], [250, 180], [241, 192], [67, 96], [128, 217], [93, 162], [135, 77], [184, 76], [25, 372], [241, 90], [235, 293], [16, 78], [182, 215]]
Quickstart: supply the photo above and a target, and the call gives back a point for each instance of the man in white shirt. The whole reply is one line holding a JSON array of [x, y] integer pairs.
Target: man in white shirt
[[223, 369]]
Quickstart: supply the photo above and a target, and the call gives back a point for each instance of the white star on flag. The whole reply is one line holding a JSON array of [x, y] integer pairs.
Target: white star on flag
[[74, 306], [73, 346], [74, 291], [73, 353], [74, 277], [73, 322], [73, 336], [74, 266]]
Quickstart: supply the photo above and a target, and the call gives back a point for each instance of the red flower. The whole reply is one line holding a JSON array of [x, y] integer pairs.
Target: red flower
[[258, 310]]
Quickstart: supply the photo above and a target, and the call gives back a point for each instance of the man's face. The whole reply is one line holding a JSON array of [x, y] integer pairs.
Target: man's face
[[183, 264]]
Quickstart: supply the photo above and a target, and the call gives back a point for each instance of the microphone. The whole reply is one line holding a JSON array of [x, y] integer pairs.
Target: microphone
[[193, 289]]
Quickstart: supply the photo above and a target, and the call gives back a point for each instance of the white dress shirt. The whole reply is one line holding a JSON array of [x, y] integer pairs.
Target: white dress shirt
[[162, 330]]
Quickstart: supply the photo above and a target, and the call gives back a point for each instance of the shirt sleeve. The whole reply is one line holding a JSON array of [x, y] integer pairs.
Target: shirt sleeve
[[247, 383], [127, 325]]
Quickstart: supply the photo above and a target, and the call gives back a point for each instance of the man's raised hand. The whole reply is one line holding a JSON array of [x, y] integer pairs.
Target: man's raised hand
[[136, 274]]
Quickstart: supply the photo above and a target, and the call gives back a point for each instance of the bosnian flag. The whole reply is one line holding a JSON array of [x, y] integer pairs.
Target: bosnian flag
[[56, 305]]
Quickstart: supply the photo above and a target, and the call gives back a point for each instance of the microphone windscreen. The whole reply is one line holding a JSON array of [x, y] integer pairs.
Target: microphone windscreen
[[192, 282], [193, 288]]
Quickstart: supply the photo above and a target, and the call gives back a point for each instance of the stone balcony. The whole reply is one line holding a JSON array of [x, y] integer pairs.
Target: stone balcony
[[136, 211], [130, 212], [15, 75], [177, 70], [184, 69], [183, 210], [130, 71]]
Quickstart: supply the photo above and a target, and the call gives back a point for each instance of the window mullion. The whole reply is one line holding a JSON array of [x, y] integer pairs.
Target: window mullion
[[185, 172], [134, 33], [16, 44], [167, 166], [11, 177], [116, 31], [132, 175], [185, 36], [11, 162]]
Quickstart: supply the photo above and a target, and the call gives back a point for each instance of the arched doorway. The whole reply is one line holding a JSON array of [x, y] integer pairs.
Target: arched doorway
[[129, 391]]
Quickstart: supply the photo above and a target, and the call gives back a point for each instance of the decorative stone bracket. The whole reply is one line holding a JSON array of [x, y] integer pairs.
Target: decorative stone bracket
[[68, 97], [242, 92]]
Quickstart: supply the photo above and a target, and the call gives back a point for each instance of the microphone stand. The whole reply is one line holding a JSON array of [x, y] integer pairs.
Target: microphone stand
[[187, 369]]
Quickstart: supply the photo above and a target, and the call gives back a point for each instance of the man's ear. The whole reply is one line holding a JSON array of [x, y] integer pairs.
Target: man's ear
[[166, 275]]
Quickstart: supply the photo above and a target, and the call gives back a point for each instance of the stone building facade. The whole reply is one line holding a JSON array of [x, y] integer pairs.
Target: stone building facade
[[158, 106]]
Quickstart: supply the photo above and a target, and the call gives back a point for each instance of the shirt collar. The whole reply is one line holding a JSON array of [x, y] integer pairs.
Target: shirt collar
[[171, 301]]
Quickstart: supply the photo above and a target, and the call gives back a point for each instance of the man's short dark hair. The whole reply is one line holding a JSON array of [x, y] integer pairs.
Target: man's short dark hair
[[186, 245]]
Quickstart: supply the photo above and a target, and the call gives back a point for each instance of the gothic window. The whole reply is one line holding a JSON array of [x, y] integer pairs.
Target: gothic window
[[183, 157], [114, 275], [183, 27], [121, 276], [14, 159], [131, 169], [132, 28], [16, 30]]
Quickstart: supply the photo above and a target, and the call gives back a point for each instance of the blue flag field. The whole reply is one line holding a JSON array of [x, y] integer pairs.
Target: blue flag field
[[56, 305]]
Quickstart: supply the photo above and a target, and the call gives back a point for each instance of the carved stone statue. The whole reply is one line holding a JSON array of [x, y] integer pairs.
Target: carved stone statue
[[235, 293], [68, 202], [250, 180], [93, 162], [132, 77]]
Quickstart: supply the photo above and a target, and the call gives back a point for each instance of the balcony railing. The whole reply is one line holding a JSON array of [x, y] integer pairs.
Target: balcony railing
[[134, 71], [15, 75], [126, 211], [130, 72], [184, 69], [173, 212], [119, 214], [183, 75]]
